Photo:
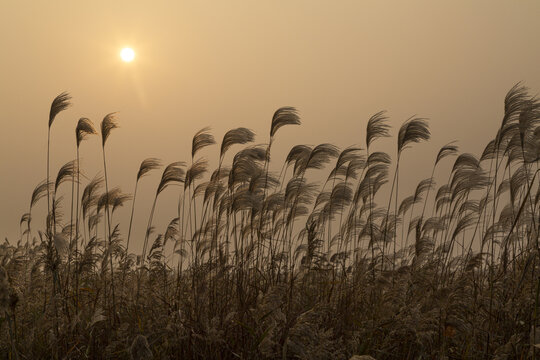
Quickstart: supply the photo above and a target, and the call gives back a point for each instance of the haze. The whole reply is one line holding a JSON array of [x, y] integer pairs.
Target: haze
[[231, 64]]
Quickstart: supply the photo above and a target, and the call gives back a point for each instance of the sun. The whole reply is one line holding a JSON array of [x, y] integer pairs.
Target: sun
[[127, 54]]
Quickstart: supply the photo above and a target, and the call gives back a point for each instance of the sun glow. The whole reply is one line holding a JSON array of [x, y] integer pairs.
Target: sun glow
[[127, 54]]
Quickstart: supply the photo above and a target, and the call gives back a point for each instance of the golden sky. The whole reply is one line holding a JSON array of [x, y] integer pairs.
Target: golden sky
[[231, 63]]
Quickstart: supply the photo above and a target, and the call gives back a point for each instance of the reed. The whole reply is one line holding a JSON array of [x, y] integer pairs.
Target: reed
[[268, 265]]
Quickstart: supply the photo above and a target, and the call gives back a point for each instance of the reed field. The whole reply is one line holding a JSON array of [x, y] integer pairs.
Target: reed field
[[325, 258]]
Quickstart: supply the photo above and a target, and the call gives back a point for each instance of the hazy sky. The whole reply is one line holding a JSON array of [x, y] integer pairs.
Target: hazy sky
[[227, 64]]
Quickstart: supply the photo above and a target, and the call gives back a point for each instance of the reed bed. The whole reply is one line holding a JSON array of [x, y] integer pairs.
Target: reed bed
[[257, 264]]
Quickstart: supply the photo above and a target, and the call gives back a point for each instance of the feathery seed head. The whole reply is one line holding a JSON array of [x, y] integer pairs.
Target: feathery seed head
[[83, 129], [59, 104], [412, 131], [236, 136], [173, 173], [377, 127], [148, 165], [107, 124], [447, 150], [287, 115], [66, 173], [201, 139], [40, 191]]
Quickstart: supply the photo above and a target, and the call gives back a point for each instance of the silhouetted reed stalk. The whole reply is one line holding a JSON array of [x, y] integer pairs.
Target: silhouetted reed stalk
[[60, 103], [146, 166], [83, 129], [107, 125]]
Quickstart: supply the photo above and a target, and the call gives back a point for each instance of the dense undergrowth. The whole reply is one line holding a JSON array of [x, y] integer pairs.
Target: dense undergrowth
[[278, 266]]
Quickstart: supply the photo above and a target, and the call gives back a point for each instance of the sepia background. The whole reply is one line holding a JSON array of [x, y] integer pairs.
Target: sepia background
[[230, 64]]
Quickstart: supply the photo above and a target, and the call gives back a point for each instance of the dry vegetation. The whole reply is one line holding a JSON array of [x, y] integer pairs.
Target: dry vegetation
[[276, 266]]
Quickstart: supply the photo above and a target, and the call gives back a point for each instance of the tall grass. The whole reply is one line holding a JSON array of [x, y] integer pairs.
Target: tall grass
[[268, 265]]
